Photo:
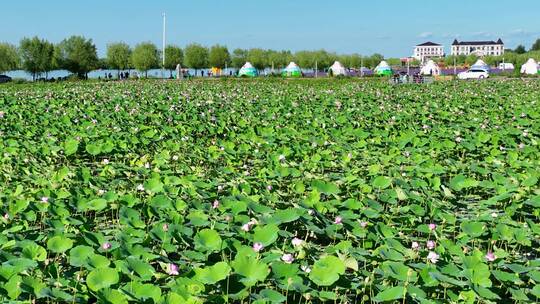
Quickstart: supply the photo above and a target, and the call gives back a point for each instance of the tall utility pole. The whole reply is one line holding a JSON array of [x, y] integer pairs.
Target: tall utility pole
[[163, 49]]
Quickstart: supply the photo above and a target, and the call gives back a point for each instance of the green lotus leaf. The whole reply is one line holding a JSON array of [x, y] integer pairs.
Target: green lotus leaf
[[212, 274], [100, 278], [59, 244], [251, 269], [207, 240], [382, 182], [326, 271], [265, 235]]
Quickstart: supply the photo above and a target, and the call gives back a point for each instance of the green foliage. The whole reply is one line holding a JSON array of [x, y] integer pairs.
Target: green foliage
[[118, 55], [219, 56], [270, 190], [173, 56], [145, 56], [520, 49], [9, 57], [239, 58], [258, 58], [37, 56], [77, 55], [536, 45], [196, 56]]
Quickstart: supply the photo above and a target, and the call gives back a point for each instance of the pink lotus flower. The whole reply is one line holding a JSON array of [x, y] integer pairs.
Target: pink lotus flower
[[433, 257], [2, 114], [44, 199], [287, 258], [430, 245], [215, 204], [432, 226], [363, 224], [282, 157], [106, 246], [246, 227], [415, 245], [172, 269], [297, 242], [257, 247], [165, 227], [6, 216], [490, 256], [338, 220], [105, 161], [458, 139], [140, 187], [269, 187]]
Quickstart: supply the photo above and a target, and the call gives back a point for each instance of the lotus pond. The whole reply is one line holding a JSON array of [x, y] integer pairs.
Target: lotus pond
[[270, 191]]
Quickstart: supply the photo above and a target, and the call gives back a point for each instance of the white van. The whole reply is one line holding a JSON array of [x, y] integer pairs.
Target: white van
[[506, 66]]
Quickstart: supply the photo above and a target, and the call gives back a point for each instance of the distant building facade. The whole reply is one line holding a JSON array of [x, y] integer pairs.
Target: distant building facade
[[478, 48], [428, 50]]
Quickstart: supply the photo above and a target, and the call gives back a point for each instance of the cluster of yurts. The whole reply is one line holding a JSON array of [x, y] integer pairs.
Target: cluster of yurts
[[293, 70], [337, 69]]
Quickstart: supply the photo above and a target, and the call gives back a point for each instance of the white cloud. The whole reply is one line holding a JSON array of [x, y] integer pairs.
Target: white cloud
[[425, 35], [481, 34]]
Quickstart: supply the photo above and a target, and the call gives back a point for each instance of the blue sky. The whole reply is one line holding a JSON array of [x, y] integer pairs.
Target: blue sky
[[390, 27]]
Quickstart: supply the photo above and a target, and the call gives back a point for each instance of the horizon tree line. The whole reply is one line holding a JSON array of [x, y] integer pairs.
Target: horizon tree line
[[78, 55]]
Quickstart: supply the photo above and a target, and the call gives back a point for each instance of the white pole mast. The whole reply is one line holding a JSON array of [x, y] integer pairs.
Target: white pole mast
[[163, 49]]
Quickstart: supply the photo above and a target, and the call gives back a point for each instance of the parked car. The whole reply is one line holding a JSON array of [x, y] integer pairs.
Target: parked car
[[4, 78], [473, 74], [506, 66]]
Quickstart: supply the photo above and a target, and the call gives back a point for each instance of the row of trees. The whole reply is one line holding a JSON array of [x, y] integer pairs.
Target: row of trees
[[79, 56]]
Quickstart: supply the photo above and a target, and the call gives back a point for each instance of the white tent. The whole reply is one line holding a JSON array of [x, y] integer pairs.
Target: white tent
[[530, 67], [430, 68], [247, 70], [383, 69], [480, 64], [338, 69]]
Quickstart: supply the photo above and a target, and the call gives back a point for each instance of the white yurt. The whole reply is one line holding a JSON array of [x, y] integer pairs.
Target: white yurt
[[247, 70], [383, 69], [530, 67], [292, 70], [430, 68], [338, 69], [480, 64]]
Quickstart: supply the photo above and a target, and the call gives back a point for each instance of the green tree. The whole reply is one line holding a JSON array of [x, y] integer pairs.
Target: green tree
[[305, 59], [9, 58], [355, 60], [37, 56], [219, 56], [173, 56], [536, 45], [196, 56], [145, 56], [471, 59], [258, 59], [118, 56], [77, 55], [520, 49], [239, 58]]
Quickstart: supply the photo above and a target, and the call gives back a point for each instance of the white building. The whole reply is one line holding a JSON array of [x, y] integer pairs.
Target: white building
[[478, 48], [428, 50]]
